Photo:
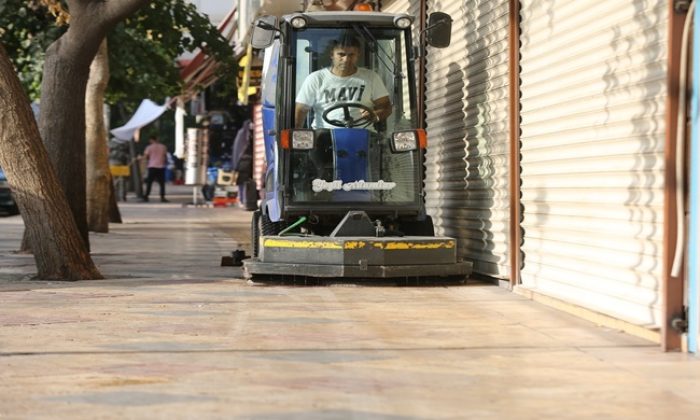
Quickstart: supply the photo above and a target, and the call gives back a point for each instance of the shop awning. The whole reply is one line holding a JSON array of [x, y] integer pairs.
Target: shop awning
[[200, 72]]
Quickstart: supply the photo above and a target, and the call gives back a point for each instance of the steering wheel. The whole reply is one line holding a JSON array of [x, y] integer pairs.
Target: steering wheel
[[348, 121]]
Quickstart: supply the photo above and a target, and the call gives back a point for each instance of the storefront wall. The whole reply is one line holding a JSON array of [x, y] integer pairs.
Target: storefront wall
[[467, 189], [593, 103], [593, 95]]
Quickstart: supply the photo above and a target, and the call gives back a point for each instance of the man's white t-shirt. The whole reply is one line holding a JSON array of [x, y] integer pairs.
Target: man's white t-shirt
[[322, 89]]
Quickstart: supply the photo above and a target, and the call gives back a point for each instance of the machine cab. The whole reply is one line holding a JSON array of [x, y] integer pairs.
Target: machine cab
[[328, 157]]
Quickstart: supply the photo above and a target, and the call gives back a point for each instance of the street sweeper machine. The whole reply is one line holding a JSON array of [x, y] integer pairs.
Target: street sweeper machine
[[344, 146]]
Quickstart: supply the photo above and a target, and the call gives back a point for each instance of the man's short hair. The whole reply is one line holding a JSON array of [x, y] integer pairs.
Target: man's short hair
[[345, 42]]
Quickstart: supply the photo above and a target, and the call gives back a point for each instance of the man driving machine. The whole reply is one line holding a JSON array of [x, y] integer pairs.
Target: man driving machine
[[343, 94]]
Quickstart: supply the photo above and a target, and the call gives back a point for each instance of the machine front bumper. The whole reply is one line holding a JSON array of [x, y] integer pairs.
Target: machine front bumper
[[357, 257]]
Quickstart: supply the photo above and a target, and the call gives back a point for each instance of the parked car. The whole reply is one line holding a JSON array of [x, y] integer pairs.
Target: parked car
[[7, 202]]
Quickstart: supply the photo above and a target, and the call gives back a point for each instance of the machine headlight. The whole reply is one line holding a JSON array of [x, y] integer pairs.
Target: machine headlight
[[402, 22], [302, 139], [404, 141], [298, 22]]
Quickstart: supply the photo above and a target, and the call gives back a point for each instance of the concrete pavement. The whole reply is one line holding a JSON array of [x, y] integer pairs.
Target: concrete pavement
[[171, 334]]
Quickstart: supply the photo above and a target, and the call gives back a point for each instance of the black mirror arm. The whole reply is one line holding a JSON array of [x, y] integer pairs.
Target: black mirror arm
[[422, 33], [266, 26], [421, 39]]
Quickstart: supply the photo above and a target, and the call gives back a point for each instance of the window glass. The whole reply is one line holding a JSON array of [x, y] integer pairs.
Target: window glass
[[354, 164]]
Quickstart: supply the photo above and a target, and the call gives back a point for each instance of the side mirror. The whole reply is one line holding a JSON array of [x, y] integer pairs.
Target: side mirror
[[264, 29], [439, 30]]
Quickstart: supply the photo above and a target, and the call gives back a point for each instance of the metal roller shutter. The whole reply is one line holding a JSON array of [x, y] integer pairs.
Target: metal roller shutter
[[411, 7], [593, 105], [467, 188]]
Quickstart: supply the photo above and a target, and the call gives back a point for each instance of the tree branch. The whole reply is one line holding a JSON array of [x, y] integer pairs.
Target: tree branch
[[107, 11], [115, 11], [92, 19]]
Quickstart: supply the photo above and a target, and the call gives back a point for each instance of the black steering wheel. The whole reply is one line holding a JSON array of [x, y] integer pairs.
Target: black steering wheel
[[348, 121]]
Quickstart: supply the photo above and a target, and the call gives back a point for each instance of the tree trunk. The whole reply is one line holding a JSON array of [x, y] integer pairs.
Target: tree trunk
[[114, 215], [59, 251], [65, 76], [97, 162], [62, 124]]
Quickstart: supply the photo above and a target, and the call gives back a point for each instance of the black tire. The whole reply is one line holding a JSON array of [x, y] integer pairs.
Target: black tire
[[270, 228], [262, 225], [12, 210], [251, 196], [255, 234]]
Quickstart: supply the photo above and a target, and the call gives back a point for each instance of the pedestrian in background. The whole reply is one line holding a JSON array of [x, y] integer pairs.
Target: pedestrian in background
[[242, 164], [157, 158]]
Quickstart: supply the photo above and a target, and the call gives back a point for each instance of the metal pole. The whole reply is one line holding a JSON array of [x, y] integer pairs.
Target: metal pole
[[180, 128], [694, 226], [672, 290], [515, 238], [135, 170]]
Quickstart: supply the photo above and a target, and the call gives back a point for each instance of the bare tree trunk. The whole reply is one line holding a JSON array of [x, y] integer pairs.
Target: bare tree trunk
[[65, 76], [62, 123], [97, 162], [59, 251], [114, 215]]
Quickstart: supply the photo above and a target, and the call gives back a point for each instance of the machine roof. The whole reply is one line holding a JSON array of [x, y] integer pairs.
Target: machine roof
[[374, 18]]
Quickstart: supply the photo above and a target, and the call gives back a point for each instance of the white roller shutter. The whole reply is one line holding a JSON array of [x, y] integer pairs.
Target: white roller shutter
[[593, 106], [411, 7], [467, 123]]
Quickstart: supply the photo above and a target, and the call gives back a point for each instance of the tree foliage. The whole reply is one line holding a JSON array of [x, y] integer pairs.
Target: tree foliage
[[143, 49], [26, 30]]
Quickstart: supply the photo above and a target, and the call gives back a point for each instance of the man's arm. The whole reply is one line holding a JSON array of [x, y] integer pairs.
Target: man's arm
[[382, 108], [300, 113], [382, 105]]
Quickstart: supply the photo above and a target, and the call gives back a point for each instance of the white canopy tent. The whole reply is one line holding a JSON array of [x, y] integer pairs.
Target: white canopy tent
[[146, 113]]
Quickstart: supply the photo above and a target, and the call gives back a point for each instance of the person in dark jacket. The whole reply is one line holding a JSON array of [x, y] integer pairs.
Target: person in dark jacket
[[242, 163]]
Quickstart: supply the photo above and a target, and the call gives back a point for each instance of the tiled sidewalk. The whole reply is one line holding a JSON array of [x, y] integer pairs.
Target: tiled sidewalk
[[171, 334]]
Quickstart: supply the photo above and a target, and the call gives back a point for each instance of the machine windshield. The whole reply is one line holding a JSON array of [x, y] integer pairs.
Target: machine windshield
[[353, 87]]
